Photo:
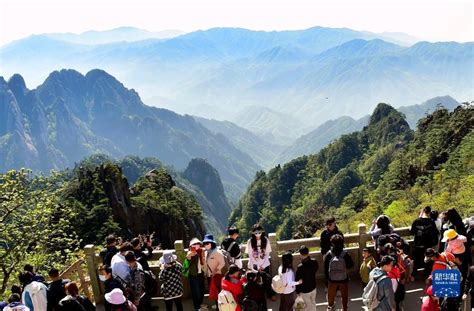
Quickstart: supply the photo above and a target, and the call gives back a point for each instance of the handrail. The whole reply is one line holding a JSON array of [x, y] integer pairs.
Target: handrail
[[83, 281]]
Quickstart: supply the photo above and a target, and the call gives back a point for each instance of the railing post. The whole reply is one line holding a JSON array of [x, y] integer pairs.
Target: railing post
[[362, 242], [274, 261], [181, 254], [89, 250], [82, 278]]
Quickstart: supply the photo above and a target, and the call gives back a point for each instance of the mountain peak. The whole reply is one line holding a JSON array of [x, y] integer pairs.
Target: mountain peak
[[381, 111], [64, 75], [17, 84], [99, 75], [386, 125]]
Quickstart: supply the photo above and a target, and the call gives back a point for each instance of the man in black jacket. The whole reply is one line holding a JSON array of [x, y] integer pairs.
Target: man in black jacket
[[56, 290], [426, 236], [232, 247], [139, 251], [306, 271], [109, 251], [331, 229]]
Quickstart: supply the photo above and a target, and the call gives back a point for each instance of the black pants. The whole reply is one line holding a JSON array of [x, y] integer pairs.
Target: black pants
[[145, 303], [196, 284], [177, 302]]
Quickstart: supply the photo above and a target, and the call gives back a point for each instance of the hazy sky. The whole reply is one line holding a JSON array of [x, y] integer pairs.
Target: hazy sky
[[433, 20]]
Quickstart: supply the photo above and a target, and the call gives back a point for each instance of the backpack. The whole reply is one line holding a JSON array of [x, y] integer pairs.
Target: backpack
[[337, 267], [226, 301], [277, 284], [151, 283], [426, 235], [228, 259], [369, 296]]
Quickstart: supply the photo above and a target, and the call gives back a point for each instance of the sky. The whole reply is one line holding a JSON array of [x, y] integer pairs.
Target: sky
[[431, 20]]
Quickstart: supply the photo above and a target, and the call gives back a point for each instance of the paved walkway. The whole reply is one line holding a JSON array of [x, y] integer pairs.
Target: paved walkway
[[412, 300]]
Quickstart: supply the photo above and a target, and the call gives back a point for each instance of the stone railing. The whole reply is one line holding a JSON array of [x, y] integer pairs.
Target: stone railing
[[75, 272], [354, 242]]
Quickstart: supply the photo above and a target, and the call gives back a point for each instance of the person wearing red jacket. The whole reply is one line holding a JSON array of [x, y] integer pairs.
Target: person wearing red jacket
[[430, 302], [233, 283]]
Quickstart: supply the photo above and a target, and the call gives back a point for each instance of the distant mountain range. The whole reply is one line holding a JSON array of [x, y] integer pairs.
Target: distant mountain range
[[71, 116], [121, 34], [309, 76], [331, 130]]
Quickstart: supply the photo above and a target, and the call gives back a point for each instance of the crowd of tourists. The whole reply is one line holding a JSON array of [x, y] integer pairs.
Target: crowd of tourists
[[442, 241]]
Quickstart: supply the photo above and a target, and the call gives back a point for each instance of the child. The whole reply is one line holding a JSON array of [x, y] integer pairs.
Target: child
[[232, 282], [254, 291], [368, 263], [172, 284]]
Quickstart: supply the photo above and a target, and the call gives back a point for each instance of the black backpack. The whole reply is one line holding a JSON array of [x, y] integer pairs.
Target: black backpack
[[426, 235]]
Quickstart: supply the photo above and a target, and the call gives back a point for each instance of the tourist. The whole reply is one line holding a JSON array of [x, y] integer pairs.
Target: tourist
[[368, 263], [118, 301], [331, 229], [195, 263], [136, 282], [36, 277], [73, 301], [110, 283], [56, 289], [430, 302], [254, 292], [34, 294], [336, 263], [306, 271], [138, 249], [215, 262], [288, 297], [426, 236], [380, 226], [258, 250], [469, 288], [120, 268], [110, 250], [233, 283], [232, 247], [385, 293], [14, 304], [171, 283]]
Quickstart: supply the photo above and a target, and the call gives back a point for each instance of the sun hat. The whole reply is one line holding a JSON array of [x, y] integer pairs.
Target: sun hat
[[115, 297], [449, 235], [195, 241], [209, 238], [168, 257]]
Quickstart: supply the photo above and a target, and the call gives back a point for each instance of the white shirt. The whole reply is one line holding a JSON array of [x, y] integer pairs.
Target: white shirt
[[120, 267], [258, 257], [289, 279]]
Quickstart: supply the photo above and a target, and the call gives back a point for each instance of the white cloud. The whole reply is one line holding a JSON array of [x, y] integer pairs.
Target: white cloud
[[434, 20]]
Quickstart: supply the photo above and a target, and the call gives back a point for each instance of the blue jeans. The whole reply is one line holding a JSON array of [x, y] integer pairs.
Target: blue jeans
[[196, 283]]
